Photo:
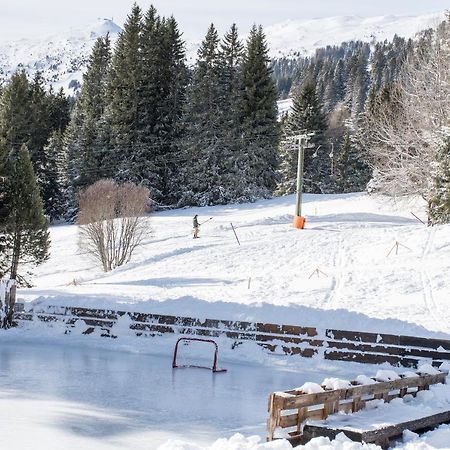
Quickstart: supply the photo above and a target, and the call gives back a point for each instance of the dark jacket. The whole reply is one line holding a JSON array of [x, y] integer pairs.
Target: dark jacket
[[195, 222]]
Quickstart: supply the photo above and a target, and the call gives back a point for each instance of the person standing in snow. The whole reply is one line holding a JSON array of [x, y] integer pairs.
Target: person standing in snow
[[196, 227]]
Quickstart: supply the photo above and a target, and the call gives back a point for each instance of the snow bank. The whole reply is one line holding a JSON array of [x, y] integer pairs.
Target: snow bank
[[239, 442]]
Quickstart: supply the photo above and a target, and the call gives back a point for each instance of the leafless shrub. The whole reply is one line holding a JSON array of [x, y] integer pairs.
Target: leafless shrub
[[404, 133], [112, 221]]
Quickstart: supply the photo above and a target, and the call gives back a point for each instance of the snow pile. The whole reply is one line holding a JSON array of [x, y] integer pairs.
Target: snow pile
[[336, 383], [310, 388], [386, 375], [428, 369], [438, 439], [364, 380], [239, 442]]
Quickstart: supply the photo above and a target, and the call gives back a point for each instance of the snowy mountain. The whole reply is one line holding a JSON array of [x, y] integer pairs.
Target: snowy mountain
[[62, 58], [304, 37]]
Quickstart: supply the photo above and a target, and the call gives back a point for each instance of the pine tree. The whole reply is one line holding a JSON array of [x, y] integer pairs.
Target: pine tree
[[200, 145], [306, 118], [15, 112], [169, 75], [87, 138], [124, 112], [177, 78], [439, 204], [56, 183], [234, 186], [59, 109], [258, 116], [30, 114], [351, 171], [24, 229]]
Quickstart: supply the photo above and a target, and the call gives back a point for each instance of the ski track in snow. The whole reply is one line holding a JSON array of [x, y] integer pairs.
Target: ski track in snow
[[428, 297], [339, 263]]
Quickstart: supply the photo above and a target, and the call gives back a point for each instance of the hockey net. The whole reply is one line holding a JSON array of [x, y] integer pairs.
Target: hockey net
[[196, 352]]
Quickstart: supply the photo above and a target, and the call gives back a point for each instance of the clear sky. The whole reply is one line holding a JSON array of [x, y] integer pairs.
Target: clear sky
[[31, 18]]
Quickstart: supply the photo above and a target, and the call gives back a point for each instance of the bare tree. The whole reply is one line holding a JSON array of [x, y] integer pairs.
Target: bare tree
[[112, 221], [404, 127]]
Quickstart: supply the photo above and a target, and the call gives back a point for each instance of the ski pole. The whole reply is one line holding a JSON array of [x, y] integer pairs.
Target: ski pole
[[211, 218]]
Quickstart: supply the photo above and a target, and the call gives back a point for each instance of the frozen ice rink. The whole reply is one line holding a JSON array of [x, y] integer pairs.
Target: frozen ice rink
[[59, 396]]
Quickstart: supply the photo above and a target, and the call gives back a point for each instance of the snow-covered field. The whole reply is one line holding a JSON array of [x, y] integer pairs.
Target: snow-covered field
[[342, 271]]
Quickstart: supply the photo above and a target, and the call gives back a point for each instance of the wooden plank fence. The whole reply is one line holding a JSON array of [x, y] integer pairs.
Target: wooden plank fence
[[291, 410], [372, 348]]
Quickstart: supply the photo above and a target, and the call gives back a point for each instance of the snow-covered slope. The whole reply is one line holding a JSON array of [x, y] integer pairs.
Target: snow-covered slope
[[344, 270], [62, 58], [305, 36]]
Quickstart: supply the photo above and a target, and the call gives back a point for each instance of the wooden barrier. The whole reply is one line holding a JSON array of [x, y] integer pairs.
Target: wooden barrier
[[307, 342], [291, 409]]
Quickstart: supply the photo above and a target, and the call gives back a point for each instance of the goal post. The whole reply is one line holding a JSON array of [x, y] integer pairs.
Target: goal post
[[213, 367]]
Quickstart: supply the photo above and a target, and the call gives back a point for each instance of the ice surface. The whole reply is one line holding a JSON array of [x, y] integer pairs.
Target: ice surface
[[70, 397]]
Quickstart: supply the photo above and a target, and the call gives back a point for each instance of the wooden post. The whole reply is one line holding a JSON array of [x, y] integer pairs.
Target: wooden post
[[272, 421], [234, 231], [301, 417], [356, 404]]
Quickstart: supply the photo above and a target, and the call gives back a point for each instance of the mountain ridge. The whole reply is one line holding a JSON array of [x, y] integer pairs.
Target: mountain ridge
[[62, 58]]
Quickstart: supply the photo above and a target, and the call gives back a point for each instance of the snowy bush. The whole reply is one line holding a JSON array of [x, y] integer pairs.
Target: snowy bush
[[112, 221]]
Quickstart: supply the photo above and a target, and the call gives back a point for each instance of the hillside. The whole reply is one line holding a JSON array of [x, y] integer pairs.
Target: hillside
[[305, 36], [342, 270], [62, 58]]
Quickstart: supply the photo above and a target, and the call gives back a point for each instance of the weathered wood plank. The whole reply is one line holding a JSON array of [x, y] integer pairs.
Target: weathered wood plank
[[412, 425], [360, 336], [313, 431], [371, 358], [388, 339], [295, 402], [413, 341], [390, 350], [379, 436]]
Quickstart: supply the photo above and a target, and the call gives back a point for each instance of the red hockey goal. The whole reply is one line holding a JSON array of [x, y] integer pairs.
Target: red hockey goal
[[214, 367]]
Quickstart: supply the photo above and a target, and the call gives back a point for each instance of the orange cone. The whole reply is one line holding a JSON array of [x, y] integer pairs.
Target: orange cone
[[299, 222]]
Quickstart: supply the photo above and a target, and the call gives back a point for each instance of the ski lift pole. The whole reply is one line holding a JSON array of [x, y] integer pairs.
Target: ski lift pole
[[299, 220]]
